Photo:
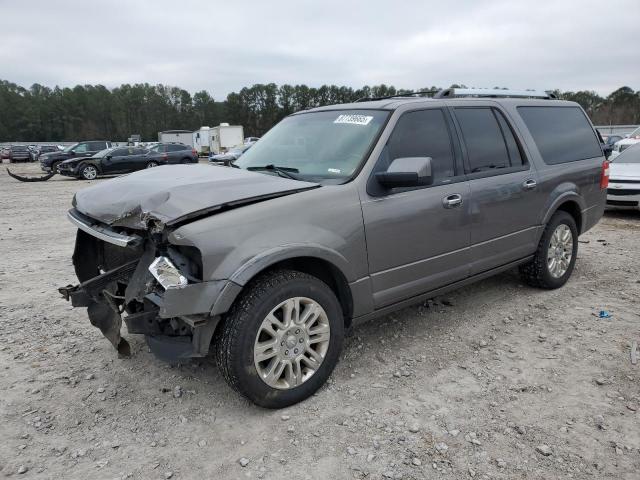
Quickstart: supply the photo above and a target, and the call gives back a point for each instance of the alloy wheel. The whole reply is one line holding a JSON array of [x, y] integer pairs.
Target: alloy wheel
[[560, 251], [291, 343]]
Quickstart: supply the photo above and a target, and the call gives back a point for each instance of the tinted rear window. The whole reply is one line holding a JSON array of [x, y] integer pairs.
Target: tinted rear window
[[177, 148], [562, 134]]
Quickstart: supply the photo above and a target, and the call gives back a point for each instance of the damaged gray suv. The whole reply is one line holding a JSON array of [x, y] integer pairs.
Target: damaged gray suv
[[337, 215]]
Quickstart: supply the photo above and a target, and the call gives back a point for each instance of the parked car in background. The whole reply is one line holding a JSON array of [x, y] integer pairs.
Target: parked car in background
[[111, 161], [339, 215], [635, 134], [4, 152], [621, 145], [250, 140], [43, 149], [171, 154], [230, 156], [19, 153], [624, 180], [49, 161]]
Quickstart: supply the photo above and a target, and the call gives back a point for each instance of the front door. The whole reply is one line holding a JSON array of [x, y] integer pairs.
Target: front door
[[418, 238]]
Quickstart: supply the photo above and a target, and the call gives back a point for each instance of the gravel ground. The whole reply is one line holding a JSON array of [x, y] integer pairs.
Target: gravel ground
[[497, 380]]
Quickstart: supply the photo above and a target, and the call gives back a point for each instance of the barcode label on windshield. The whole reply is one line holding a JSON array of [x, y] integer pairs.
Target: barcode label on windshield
[[354, 119]]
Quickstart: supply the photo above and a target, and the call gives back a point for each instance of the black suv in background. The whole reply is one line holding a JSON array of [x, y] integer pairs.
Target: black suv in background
[[49, 161], [172, 153]]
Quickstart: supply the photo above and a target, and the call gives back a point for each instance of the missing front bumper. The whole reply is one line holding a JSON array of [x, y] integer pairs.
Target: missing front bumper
[[178, 323]]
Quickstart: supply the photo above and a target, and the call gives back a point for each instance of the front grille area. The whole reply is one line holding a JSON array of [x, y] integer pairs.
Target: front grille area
[[622, 203], [622, 191], [623, 180]]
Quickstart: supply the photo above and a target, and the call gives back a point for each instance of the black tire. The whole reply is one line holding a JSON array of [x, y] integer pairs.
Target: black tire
[[536, 273], [54, 165], [152, 164], [186, 160], [235, 338]]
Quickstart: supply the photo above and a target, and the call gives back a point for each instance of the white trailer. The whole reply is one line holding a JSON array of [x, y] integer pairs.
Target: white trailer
[[202, 140], [225, 136], [179, 136]]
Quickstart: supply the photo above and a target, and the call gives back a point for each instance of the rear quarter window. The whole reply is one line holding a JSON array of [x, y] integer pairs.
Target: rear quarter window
[[562, 134]]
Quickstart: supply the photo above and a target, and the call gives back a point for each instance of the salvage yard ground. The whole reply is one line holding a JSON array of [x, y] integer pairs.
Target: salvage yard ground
[[497, 380]]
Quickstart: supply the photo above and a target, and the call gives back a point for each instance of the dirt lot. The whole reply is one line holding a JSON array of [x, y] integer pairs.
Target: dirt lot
[[497, 380]]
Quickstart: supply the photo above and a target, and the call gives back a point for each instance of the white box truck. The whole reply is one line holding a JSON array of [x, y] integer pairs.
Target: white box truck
[[225, 136], [178, 136], [202, 141]]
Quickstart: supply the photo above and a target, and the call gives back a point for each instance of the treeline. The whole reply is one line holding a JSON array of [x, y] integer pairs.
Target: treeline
[[40, 113]]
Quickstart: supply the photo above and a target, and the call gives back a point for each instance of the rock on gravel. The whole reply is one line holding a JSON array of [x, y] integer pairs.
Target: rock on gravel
[[544, 450]]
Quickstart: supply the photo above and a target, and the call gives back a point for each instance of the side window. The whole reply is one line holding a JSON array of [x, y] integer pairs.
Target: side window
[[562, 134], [422, 133], [96, 146], [176, 148], [118, 152], [515, 155], [483, 137], [82, 148]]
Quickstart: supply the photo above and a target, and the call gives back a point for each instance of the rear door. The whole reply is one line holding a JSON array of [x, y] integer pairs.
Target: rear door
[[504, 199], [417, 239]]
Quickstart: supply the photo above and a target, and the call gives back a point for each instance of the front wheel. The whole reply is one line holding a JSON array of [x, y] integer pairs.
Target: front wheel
[[555, 257], [282, 338], [88, 172]]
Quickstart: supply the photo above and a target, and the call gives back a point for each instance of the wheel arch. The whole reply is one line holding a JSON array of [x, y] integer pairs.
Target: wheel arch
[[328, 267], [571, 203]]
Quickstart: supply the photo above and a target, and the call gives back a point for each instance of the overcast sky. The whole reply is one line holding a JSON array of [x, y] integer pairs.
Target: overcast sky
[[224, 46]]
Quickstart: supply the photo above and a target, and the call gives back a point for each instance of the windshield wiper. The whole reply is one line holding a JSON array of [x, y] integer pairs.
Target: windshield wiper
[[287, 172]]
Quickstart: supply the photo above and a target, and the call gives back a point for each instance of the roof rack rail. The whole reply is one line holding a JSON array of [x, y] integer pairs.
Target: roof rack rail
[[397, 95], [493, 93]]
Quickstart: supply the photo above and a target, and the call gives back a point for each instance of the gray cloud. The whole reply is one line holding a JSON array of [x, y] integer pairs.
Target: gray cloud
[[223, 46]]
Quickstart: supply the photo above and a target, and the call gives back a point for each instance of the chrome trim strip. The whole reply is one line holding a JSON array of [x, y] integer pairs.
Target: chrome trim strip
[[103, 233]]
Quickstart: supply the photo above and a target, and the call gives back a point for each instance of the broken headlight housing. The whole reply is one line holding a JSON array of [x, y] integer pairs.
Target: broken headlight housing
[[167, 274]]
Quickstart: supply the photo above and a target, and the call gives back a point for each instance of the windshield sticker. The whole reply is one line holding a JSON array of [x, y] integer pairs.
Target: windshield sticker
[[334, 170], [354, 119]]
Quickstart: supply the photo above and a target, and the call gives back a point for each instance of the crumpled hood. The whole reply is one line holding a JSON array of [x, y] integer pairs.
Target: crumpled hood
[[174, 193]]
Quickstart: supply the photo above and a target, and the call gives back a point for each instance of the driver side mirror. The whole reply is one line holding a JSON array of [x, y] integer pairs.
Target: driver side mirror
[[407, 172]]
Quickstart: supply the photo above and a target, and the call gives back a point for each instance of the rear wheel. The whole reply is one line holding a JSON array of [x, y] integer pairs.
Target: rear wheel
[[281, 339], [88, 172], [152, 164], [555, 257]]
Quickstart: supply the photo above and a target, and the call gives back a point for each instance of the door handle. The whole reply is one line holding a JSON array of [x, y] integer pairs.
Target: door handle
[[529, 184], [452, 201]]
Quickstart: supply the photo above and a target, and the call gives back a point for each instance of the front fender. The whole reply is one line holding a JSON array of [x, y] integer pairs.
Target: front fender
[[266, 259], [285, 252]]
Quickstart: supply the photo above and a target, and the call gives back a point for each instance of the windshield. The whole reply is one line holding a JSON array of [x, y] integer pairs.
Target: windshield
[[630, 155], [326, 145], [70, 147]]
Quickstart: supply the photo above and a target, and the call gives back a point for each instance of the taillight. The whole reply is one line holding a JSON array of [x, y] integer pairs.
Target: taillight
[[193, 150], [165, 156], [604, 176]]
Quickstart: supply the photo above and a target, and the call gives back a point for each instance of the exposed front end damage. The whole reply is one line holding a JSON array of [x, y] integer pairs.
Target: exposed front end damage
[[154, 287]]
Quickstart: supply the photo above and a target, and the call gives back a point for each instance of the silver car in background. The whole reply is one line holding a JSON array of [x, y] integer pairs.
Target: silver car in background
[[624, 180]]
